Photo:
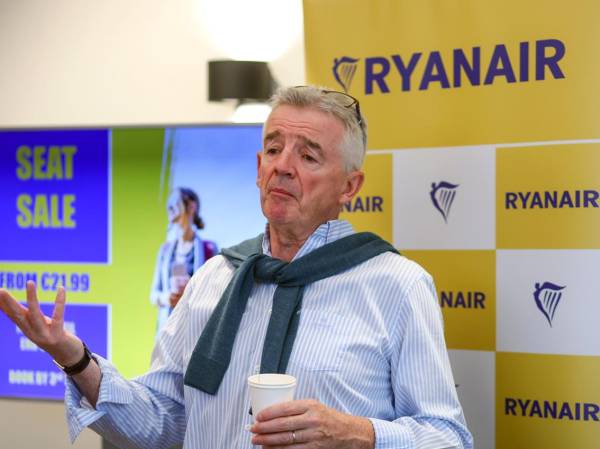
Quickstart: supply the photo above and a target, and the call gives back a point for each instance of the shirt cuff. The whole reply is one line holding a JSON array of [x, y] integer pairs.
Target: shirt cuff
[[390, 435], [113, 390]]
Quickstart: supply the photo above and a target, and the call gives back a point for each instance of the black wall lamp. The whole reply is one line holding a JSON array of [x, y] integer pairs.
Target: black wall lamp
[[244, 81]]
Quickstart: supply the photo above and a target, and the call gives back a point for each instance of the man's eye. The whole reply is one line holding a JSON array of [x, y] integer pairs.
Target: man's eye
[[271, 150], [308, 158]]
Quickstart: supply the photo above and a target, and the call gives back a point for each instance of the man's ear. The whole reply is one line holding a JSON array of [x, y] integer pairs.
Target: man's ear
[[258, 162], [354, 182]]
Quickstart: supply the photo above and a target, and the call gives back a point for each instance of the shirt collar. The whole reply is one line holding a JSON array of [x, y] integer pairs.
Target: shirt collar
[[326, 233]]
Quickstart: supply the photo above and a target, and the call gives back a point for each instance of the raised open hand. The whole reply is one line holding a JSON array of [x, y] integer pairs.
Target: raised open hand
[[48, 333]]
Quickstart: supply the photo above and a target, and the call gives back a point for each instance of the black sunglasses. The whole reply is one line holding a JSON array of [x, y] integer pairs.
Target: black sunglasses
[[352, 103], [347, 100]]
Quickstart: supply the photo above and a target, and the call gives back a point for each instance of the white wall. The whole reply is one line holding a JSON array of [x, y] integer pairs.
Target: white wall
[[113, 62], [68, 62]]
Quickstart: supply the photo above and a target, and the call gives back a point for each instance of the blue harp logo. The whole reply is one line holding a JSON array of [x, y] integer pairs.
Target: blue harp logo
[[442, 196], [344, 69], [547, 296]]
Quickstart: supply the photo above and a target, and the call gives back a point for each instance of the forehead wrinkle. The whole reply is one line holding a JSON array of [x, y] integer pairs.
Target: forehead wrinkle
[[299, 127], [296, 135]]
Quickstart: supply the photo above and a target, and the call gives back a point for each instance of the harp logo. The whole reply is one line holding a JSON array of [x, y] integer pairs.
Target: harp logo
[[547, 296], [442, 196], [344, 69]]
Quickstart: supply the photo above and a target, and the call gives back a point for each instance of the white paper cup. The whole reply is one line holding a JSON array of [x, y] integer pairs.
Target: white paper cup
[[269, 389]]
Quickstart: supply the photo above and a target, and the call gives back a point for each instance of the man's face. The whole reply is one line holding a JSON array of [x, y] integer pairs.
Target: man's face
[[301, 172]]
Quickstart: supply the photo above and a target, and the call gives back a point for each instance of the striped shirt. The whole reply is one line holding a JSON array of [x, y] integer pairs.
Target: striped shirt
[[370, 343]]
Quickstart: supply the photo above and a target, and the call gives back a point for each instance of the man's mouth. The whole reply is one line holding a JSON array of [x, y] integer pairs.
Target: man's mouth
[[278, 191]]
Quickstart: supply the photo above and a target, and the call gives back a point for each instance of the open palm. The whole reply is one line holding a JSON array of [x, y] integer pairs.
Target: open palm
[[48, 333]]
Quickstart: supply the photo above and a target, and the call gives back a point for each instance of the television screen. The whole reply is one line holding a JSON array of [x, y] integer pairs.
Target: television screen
[[100, 211]]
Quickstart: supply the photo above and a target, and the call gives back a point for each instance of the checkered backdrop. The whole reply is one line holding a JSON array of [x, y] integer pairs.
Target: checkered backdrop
[[484, 167]]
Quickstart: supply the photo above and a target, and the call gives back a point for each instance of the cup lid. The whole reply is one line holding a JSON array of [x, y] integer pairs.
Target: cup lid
[[271, 380]]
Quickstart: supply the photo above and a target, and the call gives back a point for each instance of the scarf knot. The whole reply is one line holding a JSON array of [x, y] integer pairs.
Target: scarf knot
[[269, 269]]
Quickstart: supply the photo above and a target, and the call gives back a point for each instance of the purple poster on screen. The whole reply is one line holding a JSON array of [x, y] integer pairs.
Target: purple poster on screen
[[28, 372], [54, 196]]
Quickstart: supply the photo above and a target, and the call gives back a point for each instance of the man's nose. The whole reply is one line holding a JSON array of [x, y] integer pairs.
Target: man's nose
[[284, 163]]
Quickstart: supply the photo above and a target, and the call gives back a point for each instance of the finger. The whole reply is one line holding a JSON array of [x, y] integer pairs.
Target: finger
[[35, 313], [59, 308], [273, 439], [9, 305], [32, 300], [287, 446], [289, 408], [296, 439], [283, 424]]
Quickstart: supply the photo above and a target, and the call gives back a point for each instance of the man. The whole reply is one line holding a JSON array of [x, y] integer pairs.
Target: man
[[361, 330]]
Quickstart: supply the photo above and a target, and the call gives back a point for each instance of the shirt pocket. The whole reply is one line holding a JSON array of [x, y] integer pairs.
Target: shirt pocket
[[319, 344]]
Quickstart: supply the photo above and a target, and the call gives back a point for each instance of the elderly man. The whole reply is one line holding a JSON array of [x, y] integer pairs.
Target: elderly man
[[357, 324]]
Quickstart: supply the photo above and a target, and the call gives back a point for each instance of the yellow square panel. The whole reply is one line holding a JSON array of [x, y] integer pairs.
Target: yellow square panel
[[466, 287], [547, 401], [548, 197]]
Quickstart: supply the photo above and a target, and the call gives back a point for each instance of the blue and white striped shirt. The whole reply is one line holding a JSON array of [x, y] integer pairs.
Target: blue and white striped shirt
[[370, 343]]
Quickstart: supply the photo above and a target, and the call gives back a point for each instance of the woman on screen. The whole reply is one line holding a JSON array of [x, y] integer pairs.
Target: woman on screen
[[181, 255]]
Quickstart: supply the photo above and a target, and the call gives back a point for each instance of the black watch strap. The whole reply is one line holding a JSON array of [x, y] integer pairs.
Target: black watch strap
[[79, 366]]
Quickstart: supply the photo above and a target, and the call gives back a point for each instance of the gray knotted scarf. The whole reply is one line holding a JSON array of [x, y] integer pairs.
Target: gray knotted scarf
[[212, 354]]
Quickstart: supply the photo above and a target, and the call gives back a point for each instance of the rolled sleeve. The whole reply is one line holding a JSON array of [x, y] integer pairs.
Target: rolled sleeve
[[80, 414]]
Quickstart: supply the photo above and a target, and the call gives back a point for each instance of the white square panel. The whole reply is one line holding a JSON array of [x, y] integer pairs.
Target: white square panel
[[548, 301], [445, 198]]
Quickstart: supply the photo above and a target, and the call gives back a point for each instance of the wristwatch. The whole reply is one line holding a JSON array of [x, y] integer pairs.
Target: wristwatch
[[79, 366]]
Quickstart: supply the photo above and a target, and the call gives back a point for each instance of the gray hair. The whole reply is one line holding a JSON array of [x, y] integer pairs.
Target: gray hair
[[354, 142]]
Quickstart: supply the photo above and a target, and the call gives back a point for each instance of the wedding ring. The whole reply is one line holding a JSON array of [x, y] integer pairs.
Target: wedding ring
[[293, 437]]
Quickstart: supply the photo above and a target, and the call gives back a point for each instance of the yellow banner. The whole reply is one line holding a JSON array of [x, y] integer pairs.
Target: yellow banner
[[488, 114], [431, 73]]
